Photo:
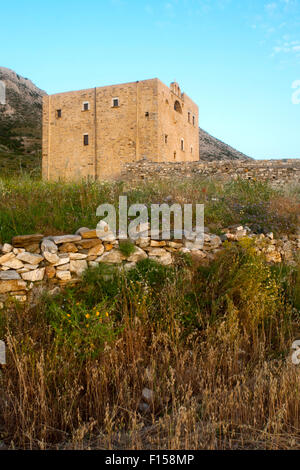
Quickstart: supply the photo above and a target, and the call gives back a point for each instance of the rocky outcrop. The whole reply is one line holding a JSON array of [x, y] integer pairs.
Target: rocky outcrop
[[211, 148], [58, 260]]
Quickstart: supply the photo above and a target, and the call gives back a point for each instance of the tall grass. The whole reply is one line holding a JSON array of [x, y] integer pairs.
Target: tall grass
[[30, 205], [213, 344]]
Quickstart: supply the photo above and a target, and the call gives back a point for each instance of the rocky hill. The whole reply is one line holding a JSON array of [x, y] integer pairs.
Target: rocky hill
[[20, 119], [211, 149]]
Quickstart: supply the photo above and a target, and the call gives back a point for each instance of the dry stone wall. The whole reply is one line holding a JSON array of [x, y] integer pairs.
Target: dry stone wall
[[31, 261], [278, 172]]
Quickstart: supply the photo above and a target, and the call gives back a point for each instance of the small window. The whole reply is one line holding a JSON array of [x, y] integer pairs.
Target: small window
[[189, 117], [182, 144], [166, 138], [191, 149], [177, 107], [58, 113], [194, 120], [115, 102], [85, 139], [86, 106]]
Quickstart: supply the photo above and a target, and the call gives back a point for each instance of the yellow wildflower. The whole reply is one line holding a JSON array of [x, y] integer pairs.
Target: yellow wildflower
[[87, 315]]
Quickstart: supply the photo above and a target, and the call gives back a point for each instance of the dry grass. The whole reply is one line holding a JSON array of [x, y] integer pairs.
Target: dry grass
[[212, 343]]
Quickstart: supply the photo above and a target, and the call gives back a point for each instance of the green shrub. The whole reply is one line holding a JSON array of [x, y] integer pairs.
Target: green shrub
[[83, 329], [151, 273], [126, 247]]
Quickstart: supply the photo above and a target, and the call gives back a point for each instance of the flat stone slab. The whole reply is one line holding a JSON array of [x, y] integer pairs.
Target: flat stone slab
[[34, 276], [12, 286], [9, 275], [22, 240], [66, 239], [30, 258], [10, 261], [89, 234]]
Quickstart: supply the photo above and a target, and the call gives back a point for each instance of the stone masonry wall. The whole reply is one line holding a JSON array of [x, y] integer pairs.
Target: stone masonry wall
[[278, 172], [31, 262], [145, 124]]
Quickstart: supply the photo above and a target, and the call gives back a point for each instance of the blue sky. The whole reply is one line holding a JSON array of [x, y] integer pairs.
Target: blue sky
[[237, 59]]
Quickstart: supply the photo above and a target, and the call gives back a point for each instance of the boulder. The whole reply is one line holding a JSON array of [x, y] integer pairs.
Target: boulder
[[138, 255], [114, 256], [48, 246], [104, 232]]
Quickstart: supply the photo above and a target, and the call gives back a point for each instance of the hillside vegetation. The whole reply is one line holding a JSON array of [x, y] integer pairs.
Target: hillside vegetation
[[20, 124]]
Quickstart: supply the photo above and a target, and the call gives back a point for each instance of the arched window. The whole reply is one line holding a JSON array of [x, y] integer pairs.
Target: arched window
[[177, 107]]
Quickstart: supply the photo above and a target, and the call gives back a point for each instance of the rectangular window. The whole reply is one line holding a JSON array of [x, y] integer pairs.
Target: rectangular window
[[115, 102], [85, 139], [182, 144], [86, 106], [58, 113], [191, 149], [166, 138], [194, 120], [189, 117]]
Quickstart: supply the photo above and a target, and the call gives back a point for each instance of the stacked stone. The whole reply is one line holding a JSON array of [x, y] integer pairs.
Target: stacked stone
[[58, 260], [279, 172]]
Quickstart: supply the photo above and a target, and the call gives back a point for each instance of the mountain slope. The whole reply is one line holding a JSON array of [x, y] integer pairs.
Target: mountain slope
[[21, 116], [211, 148]]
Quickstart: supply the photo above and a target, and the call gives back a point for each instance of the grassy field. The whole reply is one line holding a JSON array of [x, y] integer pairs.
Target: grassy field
[[212, 344], [29, 205], [17, 163]]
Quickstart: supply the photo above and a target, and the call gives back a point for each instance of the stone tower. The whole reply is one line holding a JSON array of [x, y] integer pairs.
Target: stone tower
[[92, 133]]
